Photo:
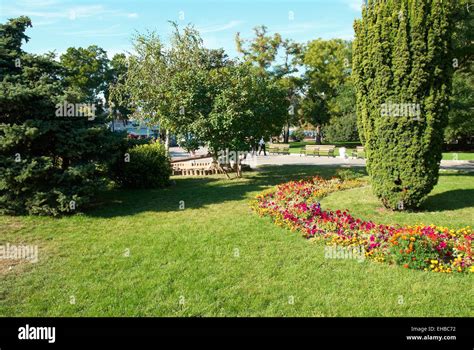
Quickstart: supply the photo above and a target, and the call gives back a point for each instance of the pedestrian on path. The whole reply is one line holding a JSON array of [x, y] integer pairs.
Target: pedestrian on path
[[261, 147]]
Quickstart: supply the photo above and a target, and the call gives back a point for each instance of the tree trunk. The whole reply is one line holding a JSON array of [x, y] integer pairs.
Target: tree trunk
[[219, 165], [167, 141], [237, 166], [318, 135], [286, 132]]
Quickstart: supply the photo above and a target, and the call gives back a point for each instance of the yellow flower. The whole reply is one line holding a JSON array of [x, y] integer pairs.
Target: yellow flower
[[434, 261], [471, 269]]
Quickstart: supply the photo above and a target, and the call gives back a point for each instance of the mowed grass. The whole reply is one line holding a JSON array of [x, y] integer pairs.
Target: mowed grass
[[217, 258], [451, 204]]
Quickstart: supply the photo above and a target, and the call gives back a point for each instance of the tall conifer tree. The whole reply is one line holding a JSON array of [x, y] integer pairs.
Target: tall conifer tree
[[49, 165], [402, 68]]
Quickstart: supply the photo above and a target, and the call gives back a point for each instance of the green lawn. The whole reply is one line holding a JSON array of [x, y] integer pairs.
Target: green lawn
[[458, 156], [296, 147], [220, 258]]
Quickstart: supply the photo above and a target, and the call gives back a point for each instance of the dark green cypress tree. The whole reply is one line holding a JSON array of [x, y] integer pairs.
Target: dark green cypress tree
[[48, 165], [402, 73]]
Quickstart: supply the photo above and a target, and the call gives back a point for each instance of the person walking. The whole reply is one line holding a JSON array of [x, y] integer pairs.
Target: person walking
[[261, 147]]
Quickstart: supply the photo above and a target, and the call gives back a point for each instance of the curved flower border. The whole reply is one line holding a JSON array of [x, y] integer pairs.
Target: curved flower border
[[295, 205]]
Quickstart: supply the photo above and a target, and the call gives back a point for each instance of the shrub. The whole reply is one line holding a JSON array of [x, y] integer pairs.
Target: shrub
[[143, 166], [132, 142], [402, 71], [297, 135], [342, 128]]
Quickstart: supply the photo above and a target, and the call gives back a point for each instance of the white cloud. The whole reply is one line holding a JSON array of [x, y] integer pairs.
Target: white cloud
[[355, 5], [87, 11], [219, 27], [54, 10], [211, 42], [343, 34], [43, 23], [110, 31], [303, 27], [37, 3], [111, 52]]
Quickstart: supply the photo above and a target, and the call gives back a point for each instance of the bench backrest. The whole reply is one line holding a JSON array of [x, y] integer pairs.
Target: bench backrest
[[178, 165], [326, 147], [360, 149], [192, 165], [279, 145], [311, 147], [202, 164]]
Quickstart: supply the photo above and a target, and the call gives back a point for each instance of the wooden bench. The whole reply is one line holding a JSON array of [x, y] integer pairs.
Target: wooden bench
[[279, 148], [195, 168], [310, 150], [328, 149], [358, 152], [318, 150]]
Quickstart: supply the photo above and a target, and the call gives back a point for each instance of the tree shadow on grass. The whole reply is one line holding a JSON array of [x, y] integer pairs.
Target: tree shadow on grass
[[195, 192], [449, 200]]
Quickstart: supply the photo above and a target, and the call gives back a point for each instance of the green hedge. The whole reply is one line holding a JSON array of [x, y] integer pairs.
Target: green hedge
[[143, 166]]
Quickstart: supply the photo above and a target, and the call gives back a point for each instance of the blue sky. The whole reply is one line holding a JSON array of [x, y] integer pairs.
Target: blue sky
[[110, 24]]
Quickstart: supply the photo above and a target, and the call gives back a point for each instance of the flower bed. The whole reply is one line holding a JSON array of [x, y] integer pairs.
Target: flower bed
[[430, 248]]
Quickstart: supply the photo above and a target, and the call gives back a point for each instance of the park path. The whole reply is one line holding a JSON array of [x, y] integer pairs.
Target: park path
[[311, 160], [296, 159]]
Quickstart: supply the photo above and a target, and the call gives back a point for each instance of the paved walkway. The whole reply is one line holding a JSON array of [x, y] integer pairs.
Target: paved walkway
[[296, 159], [349, 162]]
